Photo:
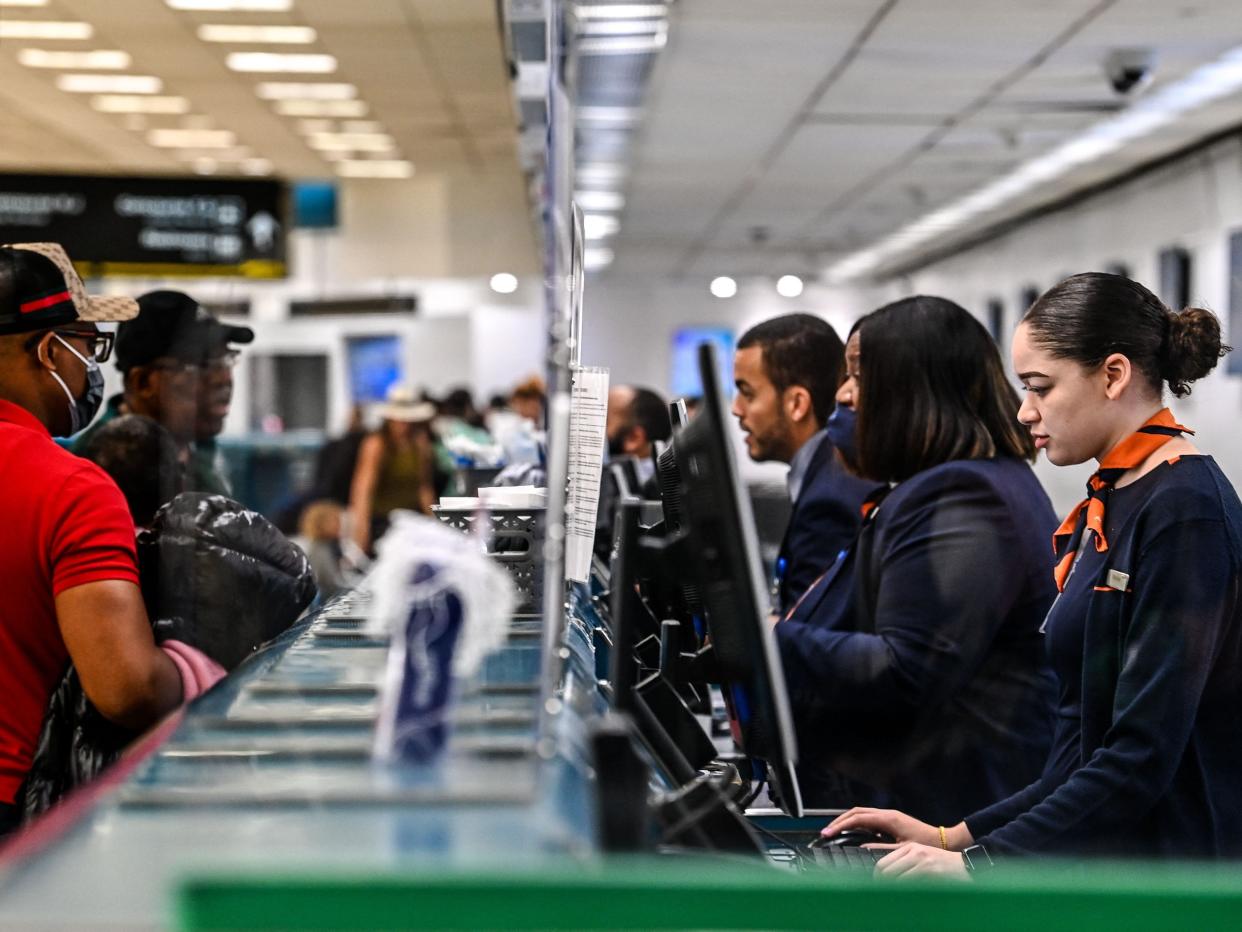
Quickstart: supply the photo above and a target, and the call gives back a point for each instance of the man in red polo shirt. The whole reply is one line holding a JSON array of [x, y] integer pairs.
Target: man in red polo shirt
[[68, 568]]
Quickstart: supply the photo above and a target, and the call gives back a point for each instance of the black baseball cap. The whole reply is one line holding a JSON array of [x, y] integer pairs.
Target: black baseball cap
[[172, 324], [39, 289]]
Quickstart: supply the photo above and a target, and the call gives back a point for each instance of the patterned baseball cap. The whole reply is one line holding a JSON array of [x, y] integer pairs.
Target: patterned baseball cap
[[39, 288]]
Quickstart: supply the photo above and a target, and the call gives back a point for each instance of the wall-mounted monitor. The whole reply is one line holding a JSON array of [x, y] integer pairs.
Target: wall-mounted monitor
[[684, 380], [995, 309], [1175, 277], [374, 366]]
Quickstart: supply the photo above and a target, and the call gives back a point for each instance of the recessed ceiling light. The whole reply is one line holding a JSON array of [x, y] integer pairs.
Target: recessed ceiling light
[[110, 83], [102, 59], [233, 6], [599, 226], [256, 167], [351, 142], [599, 200], [621, 11], [321, 108], [268, 35], [789, 286], [305, 90], [280, 62], [723, 287], [192, 138], [504, 283], [44, 29], [596, 258], [374, 168], [126, 103]]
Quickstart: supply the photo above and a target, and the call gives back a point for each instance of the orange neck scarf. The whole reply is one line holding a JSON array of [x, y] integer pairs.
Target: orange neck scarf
[[1089, 513]]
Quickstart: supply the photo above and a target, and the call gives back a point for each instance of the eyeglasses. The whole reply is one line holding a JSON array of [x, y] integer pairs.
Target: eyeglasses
[[99, 344], [219, 363]]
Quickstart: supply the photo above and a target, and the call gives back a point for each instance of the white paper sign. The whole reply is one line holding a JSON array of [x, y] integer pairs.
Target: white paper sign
[[588, 414]]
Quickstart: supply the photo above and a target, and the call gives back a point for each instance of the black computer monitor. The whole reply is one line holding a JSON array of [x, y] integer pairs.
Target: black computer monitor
[[723, 555]]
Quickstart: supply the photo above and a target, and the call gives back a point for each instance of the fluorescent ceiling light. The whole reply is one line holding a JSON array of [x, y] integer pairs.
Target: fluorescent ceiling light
[[1211, 82], [192, 138], [227, 154], [596, 258], [600, 173], [599, 200], [789, 286], [280, 62], [351, 142], [256, 167], [23, 2], [101, 59], [127, 103], [599, 226], [305, 90], [233, 6], [624, 45], [44, 29], [621, 11], [374, 168], [504, 283], [321, 108], [110, 83], [268, 35], [723, 287]]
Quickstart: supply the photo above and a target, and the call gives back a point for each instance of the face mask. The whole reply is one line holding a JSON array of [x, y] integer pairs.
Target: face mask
[[842, 426], [82, 410]]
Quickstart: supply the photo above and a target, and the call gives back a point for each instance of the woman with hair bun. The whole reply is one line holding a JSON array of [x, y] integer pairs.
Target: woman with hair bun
[[1146, 634]]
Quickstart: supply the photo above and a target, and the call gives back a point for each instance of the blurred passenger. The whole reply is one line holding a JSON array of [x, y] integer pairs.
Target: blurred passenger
[[395, 467], [143, 460], [1146, 636], [177, 364], [460, 436], [319, 536], [637, 419], [334, 466], [915, 666], [69, 572], [786, 370], [528, 400]]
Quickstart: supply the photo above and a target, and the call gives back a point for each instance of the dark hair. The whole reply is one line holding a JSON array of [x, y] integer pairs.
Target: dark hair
[[1088, 317], [801, 349], [143, 460], [649, 412], [933, 389]]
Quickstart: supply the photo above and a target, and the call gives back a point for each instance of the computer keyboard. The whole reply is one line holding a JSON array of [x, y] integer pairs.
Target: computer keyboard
[[850, 857]]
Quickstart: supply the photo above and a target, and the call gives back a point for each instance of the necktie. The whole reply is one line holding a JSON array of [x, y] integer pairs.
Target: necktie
[[1088, 515]]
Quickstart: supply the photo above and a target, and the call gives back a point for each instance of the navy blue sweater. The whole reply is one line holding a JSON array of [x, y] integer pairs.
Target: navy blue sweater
[[1147, 754], [915, 670]]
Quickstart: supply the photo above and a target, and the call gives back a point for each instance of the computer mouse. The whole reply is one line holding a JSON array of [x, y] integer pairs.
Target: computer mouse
[[852, 838]]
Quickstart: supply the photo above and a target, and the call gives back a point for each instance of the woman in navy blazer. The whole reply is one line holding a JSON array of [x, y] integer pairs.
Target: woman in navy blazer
[[914, 666], [1146, 635]]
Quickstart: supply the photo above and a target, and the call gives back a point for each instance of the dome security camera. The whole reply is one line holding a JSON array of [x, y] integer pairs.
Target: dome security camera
[[1128, 68]]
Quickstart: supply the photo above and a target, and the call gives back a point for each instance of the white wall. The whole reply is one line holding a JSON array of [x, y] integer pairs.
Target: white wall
[[1195, 203]]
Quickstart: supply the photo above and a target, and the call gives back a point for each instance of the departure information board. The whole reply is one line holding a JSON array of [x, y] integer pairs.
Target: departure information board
[[151, 226]]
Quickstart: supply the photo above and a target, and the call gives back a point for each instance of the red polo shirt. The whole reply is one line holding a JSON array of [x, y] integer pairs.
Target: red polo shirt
[[63, 523]]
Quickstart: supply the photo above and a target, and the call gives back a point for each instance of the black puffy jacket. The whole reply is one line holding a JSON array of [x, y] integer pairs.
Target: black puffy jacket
[[215, 576]]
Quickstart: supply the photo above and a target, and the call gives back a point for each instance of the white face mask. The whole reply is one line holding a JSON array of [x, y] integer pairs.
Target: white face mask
[[82, 410]]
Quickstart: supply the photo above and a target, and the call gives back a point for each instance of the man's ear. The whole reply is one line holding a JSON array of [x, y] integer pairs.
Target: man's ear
[[797, 402], [1118, 373], [44, 350], [141, 381]]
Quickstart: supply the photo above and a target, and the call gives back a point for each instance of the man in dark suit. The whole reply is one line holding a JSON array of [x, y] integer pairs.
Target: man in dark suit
[[787, 371]]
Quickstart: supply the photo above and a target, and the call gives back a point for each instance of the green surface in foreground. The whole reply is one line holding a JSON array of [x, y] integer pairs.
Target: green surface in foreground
[[664, 894]]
